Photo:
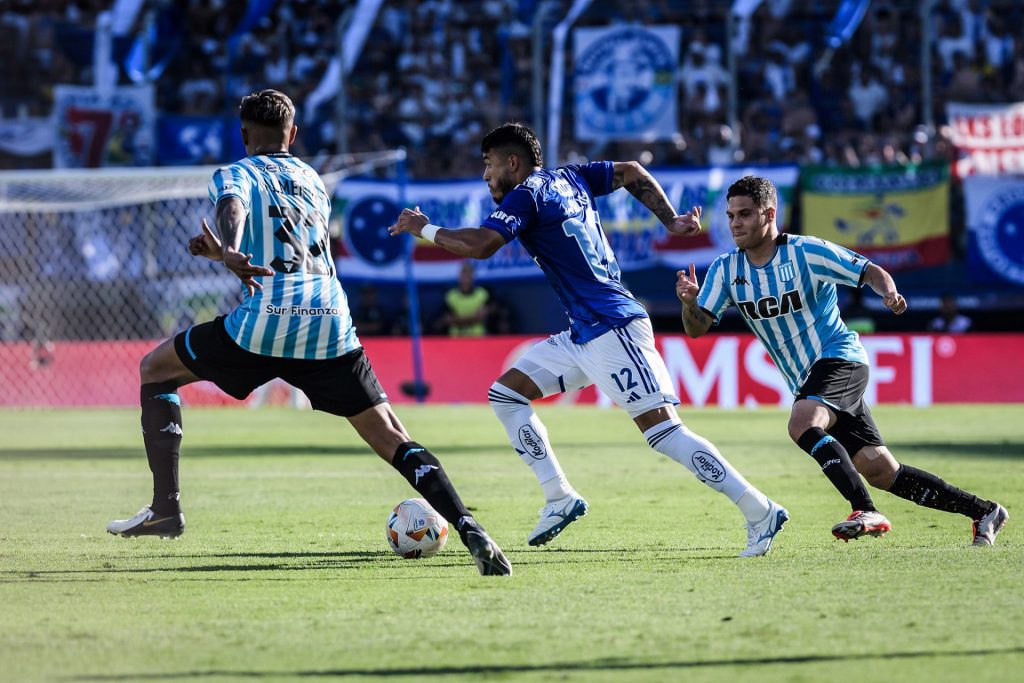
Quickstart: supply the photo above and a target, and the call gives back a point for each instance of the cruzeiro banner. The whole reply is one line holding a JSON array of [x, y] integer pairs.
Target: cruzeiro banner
[[995, 228], [625, 82], [898, 216], [363, 209]]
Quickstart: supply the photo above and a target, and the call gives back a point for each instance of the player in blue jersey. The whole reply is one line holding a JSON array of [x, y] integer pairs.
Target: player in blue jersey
[[293, 323], [609, 341], [785, 289]]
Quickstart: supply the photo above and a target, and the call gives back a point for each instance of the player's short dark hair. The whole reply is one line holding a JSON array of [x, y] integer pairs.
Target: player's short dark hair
[[515, 136], [761, 190], [270, 108]]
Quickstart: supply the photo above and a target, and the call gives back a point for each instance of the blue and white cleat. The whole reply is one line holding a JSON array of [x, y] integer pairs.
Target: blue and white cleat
[[761, 534], [555, 516]]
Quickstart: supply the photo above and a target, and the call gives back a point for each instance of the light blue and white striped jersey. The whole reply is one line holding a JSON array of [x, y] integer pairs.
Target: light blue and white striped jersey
[[790, 302], [301, 312]]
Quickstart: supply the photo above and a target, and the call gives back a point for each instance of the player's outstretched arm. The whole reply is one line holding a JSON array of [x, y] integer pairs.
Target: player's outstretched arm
[[695, 321], [648, 191], [879, 280], [230, 224], [642, 185], [478, 243]]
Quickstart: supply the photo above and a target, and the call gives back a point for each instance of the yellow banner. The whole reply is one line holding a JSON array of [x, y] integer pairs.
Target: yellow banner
[[878, 220], [876, 208]]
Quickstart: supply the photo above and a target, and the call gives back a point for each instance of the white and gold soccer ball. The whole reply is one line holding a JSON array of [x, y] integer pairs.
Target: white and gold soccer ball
[[416, 530]]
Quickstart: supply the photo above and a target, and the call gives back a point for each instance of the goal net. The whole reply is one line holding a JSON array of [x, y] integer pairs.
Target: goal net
[[94, 270]]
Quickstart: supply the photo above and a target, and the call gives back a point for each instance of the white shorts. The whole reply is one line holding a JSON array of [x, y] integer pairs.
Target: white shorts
[[623, 363]]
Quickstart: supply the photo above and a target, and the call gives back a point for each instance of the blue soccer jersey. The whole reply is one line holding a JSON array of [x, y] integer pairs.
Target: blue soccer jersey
[[552, 213], [790, 302], [301, 312]]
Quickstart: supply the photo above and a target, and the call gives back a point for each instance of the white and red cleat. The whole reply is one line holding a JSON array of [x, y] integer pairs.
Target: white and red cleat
[[862, 523]]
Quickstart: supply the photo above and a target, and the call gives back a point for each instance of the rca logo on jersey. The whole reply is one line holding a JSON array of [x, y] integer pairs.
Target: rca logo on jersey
[[771, 307]]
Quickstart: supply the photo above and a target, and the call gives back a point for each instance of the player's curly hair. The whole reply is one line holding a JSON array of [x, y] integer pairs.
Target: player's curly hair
[[517, 136], [761, 190], [270, 108]]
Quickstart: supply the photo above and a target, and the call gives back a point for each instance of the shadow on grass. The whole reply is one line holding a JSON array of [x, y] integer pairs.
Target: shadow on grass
[[968, 449], [319, 561], [562, 667], [227, 450]]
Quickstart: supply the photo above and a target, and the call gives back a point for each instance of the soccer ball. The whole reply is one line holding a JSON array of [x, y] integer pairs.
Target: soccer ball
[[416, 530]]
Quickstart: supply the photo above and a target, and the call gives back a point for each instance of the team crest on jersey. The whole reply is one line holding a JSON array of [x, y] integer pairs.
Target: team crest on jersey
[[786, 271], [625, 81]]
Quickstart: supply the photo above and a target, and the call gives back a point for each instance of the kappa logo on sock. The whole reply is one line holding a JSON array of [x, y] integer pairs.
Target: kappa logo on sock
[[422, 471], [172, 428]]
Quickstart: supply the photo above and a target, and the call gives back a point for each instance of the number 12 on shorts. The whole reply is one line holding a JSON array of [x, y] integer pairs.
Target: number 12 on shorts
[[627, 375]]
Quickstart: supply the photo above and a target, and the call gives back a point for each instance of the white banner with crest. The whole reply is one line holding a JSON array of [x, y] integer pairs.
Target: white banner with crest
[[625, 82]]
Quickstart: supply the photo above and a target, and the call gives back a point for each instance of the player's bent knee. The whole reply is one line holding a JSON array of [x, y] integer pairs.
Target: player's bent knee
[[504, 398], [797, 428], [520, 383], [877, 466], [154, 368]]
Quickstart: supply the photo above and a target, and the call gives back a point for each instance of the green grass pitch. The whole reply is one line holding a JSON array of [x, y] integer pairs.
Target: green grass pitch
[[284, 574]]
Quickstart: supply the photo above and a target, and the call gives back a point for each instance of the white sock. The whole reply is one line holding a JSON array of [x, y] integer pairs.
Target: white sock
[[529, 438], [700, 456]]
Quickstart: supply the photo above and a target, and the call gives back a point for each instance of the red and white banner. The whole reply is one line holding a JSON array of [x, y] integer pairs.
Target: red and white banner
[[989, 138], [104, 128], [728, 371]]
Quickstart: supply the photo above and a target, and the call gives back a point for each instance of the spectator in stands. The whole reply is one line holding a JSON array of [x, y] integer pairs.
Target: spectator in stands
[[953, 40], [868, 96], [369, 316], [950, 320], [468, 306], [438, 73]]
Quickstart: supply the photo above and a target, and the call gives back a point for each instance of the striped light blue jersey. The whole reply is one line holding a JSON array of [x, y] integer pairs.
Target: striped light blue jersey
[[301, 312], [790, 302], [554, 216]]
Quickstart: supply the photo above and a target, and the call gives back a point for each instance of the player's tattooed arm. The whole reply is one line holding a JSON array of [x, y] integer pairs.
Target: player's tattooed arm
[[642, 185], [231, 224], [695, 321]]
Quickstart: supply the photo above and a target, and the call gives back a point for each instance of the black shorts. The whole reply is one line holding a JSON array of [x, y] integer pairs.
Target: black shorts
[[344, 386], [840, 384]]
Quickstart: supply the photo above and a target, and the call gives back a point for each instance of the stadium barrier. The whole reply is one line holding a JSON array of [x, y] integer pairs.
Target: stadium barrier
[[717, 370]]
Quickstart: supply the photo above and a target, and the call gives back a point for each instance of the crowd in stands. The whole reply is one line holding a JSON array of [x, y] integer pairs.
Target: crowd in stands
[[434, 75]]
